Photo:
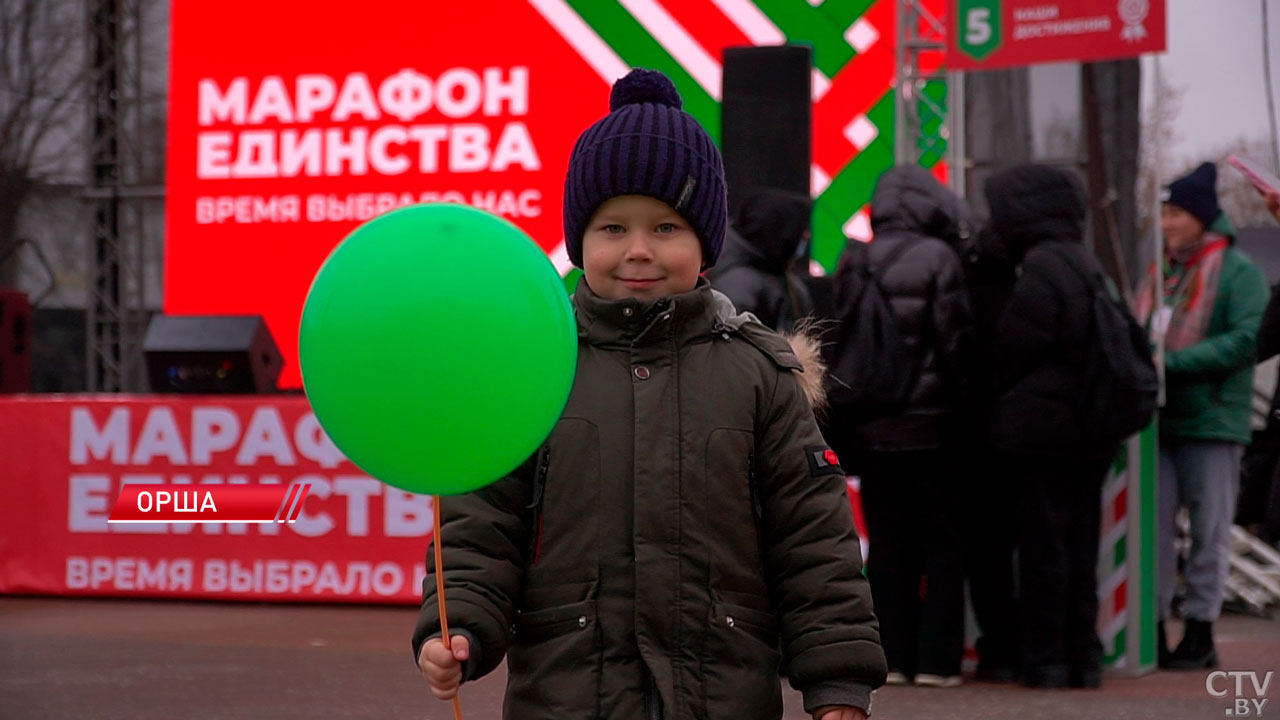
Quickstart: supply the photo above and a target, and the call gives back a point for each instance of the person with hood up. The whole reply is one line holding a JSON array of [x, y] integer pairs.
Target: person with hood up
[[755, 270], [1212, 300], [909, 493], [1056, 468]]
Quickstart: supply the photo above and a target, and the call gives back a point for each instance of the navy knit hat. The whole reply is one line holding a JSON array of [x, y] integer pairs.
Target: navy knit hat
[[1196, 194], [647, 145]]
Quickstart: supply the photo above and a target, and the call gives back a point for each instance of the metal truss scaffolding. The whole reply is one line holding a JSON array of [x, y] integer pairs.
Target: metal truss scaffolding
[[929, 110], [116, 314]]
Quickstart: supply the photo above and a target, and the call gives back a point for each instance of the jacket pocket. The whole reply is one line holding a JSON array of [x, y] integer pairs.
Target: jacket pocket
[[741, 664], [734, 511], [565, 539], [554, 664]]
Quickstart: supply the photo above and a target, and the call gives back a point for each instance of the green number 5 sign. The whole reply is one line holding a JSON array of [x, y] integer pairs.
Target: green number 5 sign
[[978, 34]]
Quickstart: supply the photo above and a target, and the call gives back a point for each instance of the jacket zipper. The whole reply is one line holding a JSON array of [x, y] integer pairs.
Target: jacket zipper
[[652, 698], [539, 491], [757, 507]]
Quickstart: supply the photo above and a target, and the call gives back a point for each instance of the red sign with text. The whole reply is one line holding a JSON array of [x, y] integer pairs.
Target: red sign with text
[[73, 466], [323, 118], [69, 462], [985, 34]]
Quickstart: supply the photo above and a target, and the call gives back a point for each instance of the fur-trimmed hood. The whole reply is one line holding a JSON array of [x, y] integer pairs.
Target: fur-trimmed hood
[[808, 349]]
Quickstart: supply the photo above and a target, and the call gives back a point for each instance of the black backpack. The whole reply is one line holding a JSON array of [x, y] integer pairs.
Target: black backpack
[[870, 371], [1122, 387]]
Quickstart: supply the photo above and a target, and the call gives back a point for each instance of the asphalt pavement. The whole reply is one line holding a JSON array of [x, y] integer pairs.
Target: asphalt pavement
[[64, 659]]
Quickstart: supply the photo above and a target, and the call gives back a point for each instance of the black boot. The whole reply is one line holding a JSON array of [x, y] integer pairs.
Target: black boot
[[1087, 677], [1045, 676], [1162, 646], [1196, 650]]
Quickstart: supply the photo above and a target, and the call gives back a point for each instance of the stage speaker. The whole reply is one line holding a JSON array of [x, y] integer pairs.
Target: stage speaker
[[211, 354], [766, 119], [15, 342]]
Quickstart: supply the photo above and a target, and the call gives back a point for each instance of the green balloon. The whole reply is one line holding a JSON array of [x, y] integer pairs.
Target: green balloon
[[437, 347]]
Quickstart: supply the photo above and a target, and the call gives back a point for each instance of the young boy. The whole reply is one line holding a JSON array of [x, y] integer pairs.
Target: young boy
[[684, 523]]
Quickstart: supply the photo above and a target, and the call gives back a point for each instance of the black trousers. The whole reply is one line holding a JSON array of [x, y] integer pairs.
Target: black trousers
[[912, 504], [992, 532], [1059, 509]]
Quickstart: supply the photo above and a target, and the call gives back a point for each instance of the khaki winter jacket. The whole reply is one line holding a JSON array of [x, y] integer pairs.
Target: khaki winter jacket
[[683, 524]]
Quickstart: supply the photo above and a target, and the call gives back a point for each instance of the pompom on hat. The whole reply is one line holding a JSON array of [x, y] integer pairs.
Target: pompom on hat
[[647, 145]]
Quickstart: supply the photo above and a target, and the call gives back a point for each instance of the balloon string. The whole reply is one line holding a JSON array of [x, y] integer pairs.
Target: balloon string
[[444, 615]]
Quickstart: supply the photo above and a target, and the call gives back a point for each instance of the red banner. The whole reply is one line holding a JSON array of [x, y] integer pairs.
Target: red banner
[[67, 461], [323, 118], [986, 34]]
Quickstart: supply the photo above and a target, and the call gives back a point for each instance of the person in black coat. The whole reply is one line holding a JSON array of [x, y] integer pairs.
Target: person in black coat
[[1040, 348], [989, 276], [904, 460], [756, 270], [1259, 505]]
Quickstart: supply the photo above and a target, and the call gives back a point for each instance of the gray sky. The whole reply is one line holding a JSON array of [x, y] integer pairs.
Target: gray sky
[[1215, 57]]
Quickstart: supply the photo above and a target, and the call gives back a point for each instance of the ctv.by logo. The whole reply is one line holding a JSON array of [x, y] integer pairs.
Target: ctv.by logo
[[1218, 684]]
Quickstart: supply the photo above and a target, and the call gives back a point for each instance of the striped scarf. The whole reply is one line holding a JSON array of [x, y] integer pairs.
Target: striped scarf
[[1190, 290]]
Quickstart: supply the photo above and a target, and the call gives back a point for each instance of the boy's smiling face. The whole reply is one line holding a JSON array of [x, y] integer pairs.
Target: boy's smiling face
[[639, 247]]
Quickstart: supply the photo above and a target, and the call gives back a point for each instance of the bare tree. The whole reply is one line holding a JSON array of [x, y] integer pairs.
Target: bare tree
[[41, 80], [1239, 200], [1062, 138], [1159, 137]]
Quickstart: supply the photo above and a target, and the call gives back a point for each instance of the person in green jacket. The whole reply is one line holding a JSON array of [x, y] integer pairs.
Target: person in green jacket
[[1213, 301], [684, 535]]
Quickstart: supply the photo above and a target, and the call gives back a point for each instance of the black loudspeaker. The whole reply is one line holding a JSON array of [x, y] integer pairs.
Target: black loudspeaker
[[211, 354], [766, 119], [15, 342]]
